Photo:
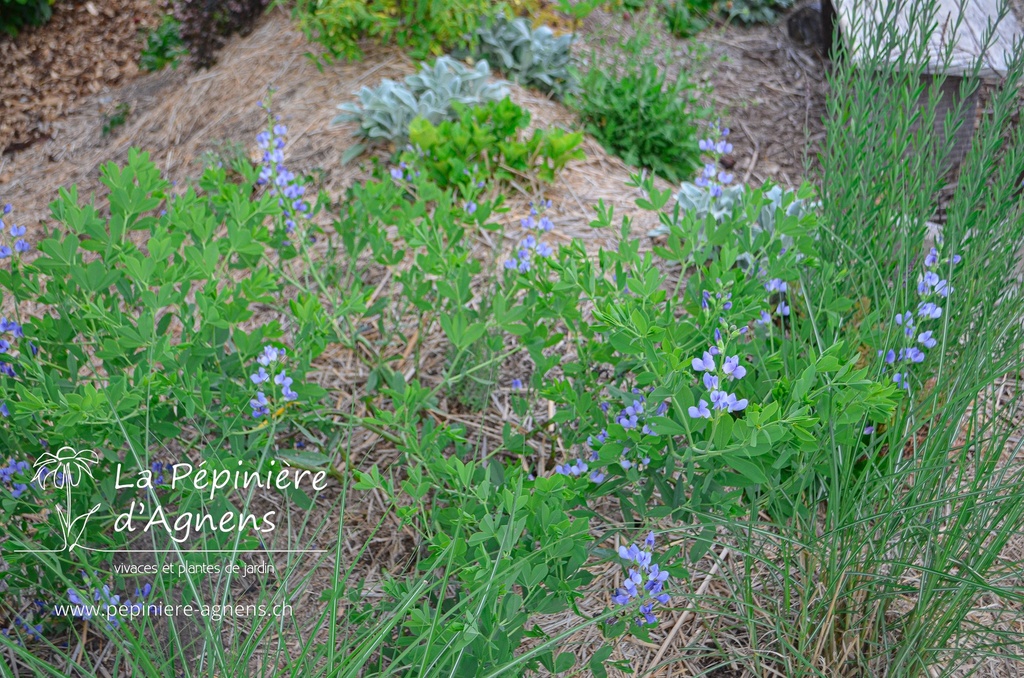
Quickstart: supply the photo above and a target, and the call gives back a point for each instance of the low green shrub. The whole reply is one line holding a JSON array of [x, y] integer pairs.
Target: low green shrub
[[754, 11], [164, 46], [685, 18], [424, 27], [638, 114], [17, 13]]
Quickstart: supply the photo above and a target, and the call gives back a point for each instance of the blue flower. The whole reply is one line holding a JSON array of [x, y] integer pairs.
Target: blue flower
[[929, 310], [260, 405], [285, 382], [720, 400], [574, 468], [733, 369], [470, 207], [3, 410], [701, 411], [260, 376], [271, 354], [517, 384], [634, 586], [926, 339], [912, 354], [706, 363]]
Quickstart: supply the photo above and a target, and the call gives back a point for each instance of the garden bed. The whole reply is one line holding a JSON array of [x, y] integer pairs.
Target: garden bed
[[774, 96]]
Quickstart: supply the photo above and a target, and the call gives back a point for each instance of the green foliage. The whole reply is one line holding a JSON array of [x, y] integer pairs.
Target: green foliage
[[531, 56], [14, 14], [641, 116], [577, 10], [424, 27], [139, 337], [754, 11], [685, 18], [385, 112], [488, 142], [164, 46], [115, 120], [647, 338]]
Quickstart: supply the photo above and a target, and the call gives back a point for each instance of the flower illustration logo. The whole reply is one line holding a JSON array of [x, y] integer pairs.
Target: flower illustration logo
[[65, 469]]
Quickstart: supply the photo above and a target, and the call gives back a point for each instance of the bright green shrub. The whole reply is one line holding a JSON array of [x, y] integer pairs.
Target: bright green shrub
[[164, 46], [424, 27], [684, 18], [488, 142]]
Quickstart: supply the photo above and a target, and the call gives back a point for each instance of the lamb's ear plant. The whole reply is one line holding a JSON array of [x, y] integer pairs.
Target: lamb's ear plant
[[534, 57], [385, 112]]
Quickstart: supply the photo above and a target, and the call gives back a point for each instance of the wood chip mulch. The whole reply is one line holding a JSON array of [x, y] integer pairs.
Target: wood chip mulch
[[84, 48]]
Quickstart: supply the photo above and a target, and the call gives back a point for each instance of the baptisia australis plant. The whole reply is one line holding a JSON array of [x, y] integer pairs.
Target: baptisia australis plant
[[644, 583], [914, 337], [282, 183], [272, 358], [531, 245], [634, 420]]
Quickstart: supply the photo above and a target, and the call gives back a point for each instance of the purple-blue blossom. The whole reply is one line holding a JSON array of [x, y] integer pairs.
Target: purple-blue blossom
[[575, 468], [706, 363], [270, 355], [733, 369], [260, 405], [644, 581], [700, 411]]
